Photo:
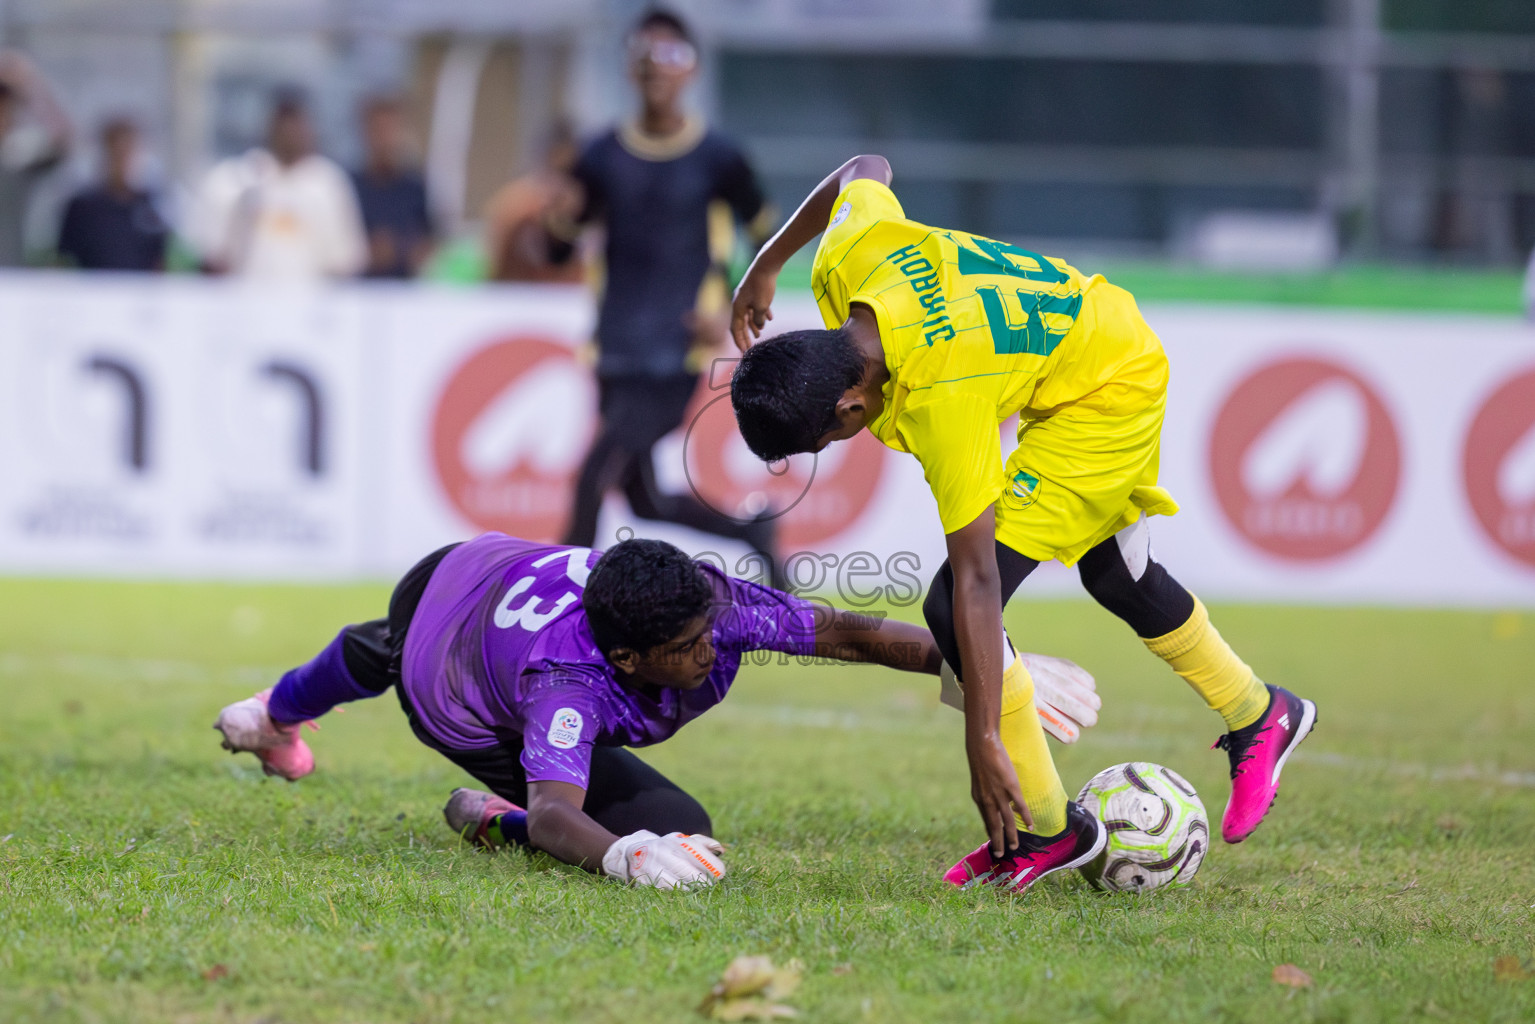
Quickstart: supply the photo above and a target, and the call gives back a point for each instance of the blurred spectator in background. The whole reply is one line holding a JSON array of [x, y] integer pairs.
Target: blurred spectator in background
[[518, 246], [654, 183], [34, 138], [114, 225], [392, 194], [280, 213]]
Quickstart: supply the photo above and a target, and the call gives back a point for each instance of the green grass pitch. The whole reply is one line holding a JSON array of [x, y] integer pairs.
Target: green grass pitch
[[145, 875]]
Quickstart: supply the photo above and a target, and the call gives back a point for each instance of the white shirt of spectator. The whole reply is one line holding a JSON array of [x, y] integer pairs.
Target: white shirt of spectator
[[25, 147], [262, 220]]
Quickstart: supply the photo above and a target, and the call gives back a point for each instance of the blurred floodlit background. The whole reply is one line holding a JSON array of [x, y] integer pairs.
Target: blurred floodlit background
[[1287, 133], [1360, 173]]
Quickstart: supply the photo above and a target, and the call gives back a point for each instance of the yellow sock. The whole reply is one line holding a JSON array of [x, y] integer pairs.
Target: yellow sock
[[1024, 740], [1196, 651]]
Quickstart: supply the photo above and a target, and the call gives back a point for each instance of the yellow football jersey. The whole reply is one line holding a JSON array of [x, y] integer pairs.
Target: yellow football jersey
[[974, 330]]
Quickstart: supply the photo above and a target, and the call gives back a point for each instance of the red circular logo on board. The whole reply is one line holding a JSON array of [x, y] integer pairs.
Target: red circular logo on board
[[1499, 466], [1305, 459], [818, 496], [511, 427]]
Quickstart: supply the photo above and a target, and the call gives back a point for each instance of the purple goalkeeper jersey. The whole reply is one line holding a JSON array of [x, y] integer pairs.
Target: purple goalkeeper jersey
[[499, 651]]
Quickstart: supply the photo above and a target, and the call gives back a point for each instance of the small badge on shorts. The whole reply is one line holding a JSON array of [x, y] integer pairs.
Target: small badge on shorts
[[842, 212], [565, 729], [1025, 489]]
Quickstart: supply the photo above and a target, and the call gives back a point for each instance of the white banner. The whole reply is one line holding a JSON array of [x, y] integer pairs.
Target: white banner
[[171, 426], [1349, 456], [201, 428]]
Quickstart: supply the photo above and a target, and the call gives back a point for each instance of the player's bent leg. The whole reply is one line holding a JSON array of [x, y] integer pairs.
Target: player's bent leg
[[1021, 733], [1264, 723], [938, 607], [1023, 737], [353, 666], [625, 795], [1122, 575]]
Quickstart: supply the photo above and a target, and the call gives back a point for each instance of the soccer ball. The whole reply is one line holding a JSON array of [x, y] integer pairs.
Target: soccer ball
[[1158, 830]]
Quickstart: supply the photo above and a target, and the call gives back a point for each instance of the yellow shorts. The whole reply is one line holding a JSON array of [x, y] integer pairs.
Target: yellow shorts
[[1086, 469]]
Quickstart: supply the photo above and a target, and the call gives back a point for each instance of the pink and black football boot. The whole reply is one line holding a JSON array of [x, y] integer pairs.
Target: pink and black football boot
[[1036, 856], [247, 727], [1258, 754], [472, 813]]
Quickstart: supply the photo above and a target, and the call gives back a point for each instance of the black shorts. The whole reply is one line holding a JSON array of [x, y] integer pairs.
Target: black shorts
[[639, 411], [624, 794]]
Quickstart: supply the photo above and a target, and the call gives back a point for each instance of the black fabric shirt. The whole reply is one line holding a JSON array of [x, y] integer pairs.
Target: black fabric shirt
[[654, 202], [105, 231], [395, 206]]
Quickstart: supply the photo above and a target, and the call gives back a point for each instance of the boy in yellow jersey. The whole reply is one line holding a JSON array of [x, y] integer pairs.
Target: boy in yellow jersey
[[934, 338]]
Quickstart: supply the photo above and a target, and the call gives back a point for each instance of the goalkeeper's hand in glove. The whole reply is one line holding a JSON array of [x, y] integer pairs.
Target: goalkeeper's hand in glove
[[666, 862], [1065, 694]]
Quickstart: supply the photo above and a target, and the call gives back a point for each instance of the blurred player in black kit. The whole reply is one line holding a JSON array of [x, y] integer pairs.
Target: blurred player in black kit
[[658, 184]]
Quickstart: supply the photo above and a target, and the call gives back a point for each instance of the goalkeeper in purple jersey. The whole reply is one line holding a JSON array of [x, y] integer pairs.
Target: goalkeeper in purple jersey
[[532, 666]]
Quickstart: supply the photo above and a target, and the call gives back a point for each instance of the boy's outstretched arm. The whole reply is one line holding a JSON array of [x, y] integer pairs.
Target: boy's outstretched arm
[[856, 636], [1065, 694], [558, 826], [978, 629], [751, 310]]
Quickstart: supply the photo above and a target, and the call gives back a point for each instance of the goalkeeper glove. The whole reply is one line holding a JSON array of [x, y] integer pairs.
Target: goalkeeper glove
[[666, 862], [1065, 694]]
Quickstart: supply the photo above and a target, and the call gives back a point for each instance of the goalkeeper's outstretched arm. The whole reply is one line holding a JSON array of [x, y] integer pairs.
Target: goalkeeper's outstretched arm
[[1065, 693], [875, 639], [558, 826]]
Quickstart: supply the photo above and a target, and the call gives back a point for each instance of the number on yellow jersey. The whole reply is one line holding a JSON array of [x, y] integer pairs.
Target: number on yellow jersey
[[1046, 316]]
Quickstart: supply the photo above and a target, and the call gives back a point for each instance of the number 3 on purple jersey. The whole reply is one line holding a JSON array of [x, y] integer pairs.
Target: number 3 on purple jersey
[[528, 614]]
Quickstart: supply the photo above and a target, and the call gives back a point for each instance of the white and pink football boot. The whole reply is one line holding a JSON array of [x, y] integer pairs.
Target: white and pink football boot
[[247, 727]]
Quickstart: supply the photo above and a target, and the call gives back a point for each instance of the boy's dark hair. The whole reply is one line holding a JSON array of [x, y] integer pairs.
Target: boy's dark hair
[[642, 593], [660, 17], [785, 390]]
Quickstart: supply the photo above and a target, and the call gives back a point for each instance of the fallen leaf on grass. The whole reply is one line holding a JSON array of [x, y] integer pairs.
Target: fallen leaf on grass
[[747, 990], [1508, 968], [744, 976], [841, 969], [1289, 974], [216, 972], [752, 1009]]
